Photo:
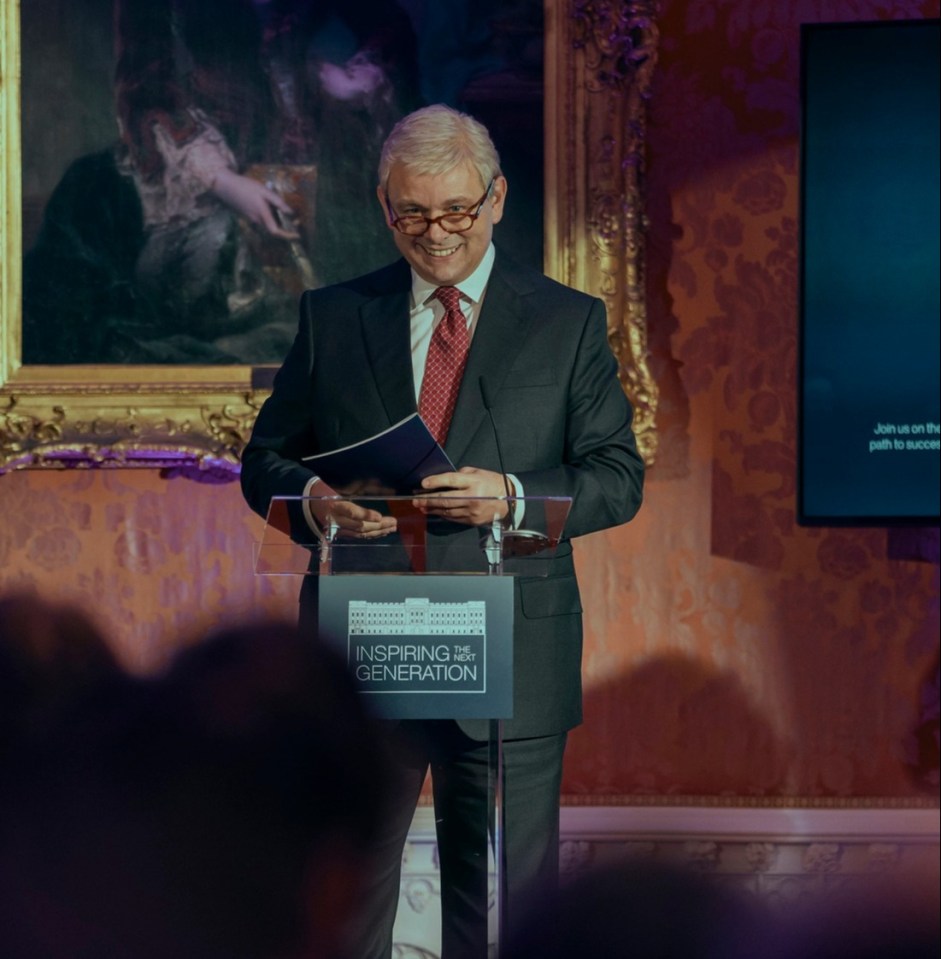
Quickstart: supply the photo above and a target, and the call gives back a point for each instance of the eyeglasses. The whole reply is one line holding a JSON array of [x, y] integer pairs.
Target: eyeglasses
[[416, 225]]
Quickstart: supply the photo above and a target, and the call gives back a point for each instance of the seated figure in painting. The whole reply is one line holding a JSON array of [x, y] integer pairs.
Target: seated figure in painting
[[246, 128]]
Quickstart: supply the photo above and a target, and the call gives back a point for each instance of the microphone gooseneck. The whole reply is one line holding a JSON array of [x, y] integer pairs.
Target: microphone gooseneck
[[516, 542], [485, 396]]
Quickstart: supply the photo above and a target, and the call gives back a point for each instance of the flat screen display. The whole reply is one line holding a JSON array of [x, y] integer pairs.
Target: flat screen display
[[869, 434]]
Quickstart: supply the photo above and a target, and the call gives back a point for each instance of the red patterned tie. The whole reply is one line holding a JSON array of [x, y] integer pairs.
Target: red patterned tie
[[447, 354]]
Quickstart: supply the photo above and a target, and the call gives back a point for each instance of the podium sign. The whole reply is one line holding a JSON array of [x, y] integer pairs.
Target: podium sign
[[424, 647]]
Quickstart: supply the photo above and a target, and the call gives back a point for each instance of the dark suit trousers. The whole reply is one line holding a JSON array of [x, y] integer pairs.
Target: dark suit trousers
[[462, 791]]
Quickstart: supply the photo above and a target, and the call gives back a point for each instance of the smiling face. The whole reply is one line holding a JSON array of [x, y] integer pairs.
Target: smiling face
[[437, 256]]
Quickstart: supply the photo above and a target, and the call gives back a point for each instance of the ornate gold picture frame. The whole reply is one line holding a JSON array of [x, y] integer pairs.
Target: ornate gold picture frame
[[598, 64]]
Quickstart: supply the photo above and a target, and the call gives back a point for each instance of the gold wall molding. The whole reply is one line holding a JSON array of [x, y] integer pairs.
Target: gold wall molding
[[599, 61]]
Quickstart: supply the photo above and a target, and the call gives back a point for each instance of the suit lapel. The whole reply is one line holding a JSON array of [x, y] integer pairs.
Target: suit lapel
[[385, 325], [501, 330]]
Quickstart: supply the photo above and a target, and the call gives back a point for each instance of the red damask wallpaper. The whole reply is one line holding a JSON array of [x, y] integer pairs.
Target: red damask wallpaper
[[730, 655]]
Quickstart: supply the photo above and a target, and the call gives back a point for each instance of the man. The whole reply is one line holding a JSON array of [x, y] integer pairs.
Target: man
[[356, 367]]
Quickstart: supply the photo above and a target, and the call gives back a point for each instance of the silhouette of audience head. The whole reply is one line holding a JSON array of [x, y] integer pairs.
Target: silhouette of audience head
[[892, 915], [652, 910], [52, 659], [279, 787], [645, 909], [222, 809]]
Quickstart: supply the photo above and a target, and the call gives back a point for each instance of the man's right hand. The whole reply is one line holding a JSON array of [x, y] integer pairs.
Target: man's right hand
[[354, 521]]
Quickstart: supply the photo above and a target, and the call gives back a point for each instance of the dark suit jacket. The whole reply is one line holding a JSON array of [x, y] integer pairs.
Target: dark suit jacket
[[563, 421]]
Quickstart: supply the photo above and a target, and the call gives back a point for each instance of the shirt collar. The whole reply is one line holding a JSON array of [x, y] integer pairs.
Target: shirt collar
[[473, 287]]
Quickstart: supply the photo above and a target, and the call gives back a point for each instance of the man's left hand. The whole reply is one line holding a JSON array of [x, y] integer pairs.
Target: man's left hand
[[468, 496]]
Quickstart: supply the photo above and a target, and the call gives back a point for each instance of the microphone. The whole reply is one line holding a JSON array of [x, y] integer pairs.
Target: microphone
[[516, 542]]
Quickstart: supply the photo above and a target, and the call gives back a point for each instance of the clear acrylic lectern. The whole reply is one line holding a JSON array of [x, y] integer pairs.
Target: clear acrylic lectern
[[424, 618]]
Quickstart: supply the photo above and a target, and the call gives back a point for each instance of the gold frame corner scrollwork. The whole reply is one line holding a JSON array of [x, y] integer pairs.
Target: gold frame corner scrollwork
[[599, 60]]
